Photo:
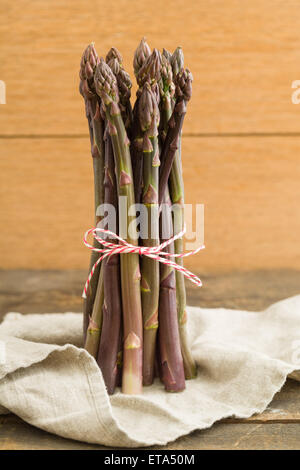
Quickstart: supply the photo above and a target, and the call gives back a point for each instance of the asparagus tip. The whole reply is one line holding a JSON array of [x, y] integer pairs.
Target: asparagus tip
[[183, 83], [177, 60], [114, 53], [89, 62], [106, 83], [141, 54], [151, 69], [148, 114]]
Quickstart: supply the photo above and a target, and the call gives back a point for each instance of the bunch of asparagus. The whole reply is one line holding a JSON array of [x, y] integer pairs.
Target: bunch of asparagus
[[135, 309]]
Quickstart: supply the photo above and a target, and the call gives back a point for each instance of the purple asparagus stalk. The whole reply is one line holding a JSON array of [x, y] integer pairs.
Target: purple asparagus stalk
[[170, 357], [142, 53], [88, 66], [149, 73], [171, 363], [112, 308], [183, 87], [107, 89], [115, 62]]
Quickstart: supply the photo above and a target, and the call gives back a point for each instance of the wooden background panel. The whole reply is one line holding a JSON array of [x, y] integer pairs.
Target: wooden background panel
[[244, 57], [250, 188]]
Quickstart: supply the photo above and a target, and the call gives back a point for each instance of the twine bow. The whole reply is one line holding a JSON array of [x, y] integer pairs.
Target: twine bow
[[155, 252]]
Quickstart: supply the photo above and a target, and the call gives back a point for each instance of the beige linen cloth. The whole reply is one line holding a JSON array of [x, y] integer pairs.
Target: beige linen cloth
[[50, 382]]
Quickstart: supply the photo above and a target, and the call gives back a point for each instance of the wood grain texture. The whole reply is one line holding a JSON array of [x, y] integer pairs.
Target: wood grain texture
[[36, 291], [241, 436], [244, 57], [250, 188], [15, 434]]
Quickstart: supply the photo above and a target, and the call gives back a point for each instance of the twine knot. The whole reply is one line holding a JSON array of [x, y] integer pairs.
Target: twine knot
[[154, 252]]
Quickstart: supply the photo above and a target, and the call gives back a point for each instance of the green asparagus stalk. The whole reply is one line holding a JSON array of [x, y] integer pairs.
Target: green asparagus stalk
[[149, 121], [88, 66], [112, 308], [93, 332], [183, 87], [167, 89], [177, 197], [107, 89]]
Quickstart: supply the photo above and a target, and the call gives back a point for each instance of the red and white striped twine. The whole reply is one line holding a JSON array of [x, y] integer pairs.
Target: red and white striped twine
[[155, 252]]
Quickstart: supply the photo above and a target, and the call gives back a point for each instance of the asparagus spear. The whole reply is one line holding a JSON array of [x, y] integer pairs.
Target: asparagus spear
[[112, 309], [183, 87], [170, 357], [177, 196], [115, 62], [171, 363], [107, 89], [148, 72], [176, 61], [167, 55], [95, 323], [141, 54], [88, 65], [147, 174], [166, 88], [149, 121]]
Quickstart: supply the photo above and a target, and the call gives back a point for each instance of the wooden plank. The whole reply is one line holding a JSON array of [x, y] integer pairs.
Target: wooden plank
[[250, 188], [252, 290], [250, 191], [276, 428], [249, 436], [17, 435], [38, 291], [243, 57]]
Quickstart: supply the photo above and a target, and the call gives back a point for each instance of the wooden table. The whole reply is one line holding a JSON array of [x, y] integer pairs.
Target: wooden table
[[57, 291]]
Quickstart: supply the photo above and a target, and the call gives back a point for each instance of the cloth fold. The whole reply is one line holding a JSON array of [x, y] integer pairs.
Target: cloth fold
[[243, 358]]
